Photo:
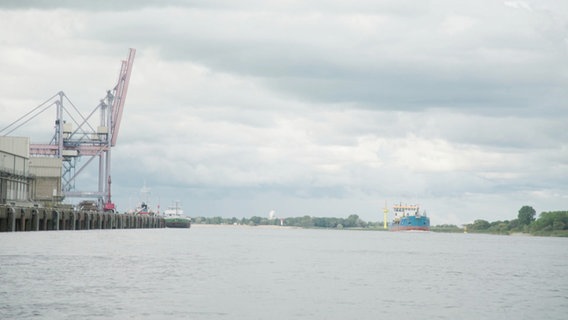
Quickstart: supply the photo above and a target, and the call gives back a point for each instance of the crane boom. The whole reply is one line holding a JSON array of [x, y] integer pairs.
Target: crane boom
[[121, 90]]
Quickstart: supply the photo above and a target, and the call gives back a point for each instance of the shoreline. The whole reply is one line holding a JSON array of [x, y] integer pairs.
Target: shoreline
[[263, 226]]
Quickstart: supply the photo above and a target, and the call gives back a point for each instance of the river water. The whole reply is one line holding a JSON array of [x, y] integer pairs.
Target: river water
[[232, 272]]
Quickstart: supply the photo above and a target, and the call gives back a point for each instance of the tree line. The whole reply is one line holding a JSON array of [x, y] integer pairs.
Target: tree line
[[553, 223], [353, 221], [548, 223]]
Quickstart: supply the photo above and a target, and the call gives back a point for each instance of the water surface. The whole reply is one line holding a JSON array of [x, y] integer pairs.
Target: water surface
[[229, 272]]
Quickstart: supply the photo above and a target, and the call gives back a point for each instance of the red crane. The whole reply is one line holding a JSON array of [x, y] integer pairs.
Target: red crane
[[119, 93]]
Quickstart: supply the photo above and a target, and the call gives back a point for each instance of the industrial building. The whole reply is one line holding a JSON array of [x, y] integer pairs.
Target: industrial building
[[24, 179]]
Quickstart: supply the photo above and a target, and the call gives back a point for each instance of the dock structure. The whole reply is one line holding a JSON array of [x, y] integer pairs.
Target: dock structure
[[31, 197], [21, 218]]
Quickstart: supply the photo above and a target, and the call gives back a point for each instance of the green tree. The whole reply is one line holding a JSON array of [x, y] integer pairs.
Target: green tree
[[306, 222], [352, 221], [555, 220], [526, 215], [479, 225], [255, 220]]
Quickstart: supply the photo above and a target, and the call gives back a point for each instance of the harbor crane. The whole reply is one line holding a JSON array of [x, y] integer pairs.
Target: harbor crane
[[78, 136]]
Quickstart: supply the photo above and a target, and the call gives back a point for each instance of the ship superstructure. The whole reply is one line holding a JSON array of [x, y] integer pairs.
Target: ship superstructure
[[408, 217]]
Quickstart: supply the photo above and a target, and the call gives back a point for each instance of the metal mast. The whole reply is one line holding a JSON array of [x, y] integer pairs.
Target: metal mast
[[385, 214], [76, 136]]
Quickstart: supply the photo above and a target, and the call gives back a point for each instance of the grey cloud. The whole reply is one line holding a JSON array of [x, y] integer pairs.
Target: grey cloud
[[324, 108], [492, 68], [391, 6], [88, 5]]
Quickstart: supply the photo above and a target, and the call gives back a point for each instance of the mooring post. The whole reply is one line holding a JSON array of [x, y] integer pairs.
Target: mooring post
[[11, 219], [44, 219], [35, 220], [73, 220], [55, 220], [22, 219], [87, 220]]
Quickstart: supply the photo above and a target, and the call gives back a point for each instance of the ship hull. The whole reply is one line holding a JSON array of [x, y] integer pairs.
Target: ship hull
[[178, 223], [409, 223], [409, 228]]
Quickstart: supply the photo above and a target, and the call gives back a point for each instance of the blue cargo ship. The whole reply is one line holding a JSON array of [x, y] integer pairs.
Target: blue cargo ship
[[408, 217]]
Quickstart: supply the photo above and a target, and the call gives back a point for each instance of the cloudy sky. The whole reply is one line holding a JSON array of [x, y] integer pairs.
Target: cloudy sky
[[322, 108]]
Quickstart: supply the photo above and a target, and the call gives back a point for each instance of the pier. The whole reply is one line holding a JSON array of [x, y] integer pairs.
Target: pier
[[14, 218]]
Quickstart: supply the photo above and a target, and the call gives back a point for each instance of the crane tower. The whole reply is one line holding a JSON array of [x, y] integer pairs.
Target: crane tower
[[77, 136]]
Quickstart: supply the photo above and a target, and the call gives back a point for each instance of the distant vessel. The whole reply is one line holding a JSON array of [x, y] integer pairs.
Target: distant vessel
[[144, 207], [408, 217], [175, 218]]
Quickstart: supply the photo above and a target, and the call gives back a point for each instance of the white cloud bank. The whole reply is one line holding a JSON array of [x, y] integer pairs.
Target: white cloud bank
[[324, 109]]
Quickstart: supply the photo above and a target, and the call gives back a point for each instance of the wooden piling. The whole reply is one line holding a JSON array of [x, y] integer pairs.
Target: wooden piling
[[21, 219]]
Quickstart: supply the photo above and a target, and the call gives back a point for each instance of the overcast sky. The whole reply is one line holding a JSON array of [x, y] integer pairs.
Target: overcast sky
[[321, 108]]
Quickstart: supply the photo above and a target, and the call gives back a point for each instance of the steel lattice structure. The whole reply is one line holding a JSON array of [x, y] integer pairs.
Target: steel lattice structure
[[78, 136]]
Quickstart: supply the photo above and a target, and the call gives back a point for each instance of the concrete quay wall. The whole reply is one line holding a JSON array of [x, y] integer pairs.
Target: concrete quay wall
[[41, 219]]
